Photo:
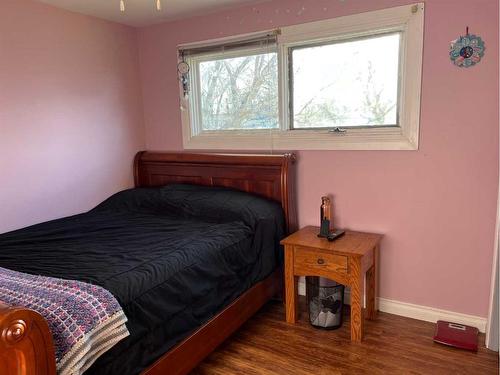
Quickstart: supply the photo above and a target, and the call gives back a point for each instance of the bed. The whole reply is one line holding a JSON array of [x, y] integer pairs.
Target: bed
[[26, 340]]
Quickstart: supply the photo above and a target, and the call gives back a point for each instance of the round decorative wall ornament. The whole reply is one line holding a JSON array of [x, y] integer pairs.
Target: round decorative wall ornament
[[183, 67], [467, 50]]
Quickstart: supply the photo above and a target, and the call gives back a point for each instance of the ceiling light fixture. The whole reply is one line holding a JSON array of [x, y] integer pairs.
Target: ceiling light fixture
[[122, 5]]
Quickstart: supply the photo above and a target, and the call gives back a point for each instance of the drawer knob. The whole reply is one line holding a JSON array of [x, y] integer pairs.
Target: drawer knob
[[321, 261]]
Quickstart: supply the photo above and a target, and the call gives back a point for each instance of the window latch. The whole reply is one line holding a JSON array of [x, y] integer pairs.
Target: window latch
[[337, 130]]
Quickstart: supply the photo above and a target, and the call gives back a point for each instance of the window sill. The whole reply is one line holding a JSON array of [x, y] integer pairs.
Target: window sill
[[352, 139]]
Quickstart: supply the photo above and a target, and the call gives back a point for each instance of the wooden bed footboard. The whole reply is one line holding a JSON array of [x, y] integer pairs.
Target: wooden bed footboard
[[26, 346]]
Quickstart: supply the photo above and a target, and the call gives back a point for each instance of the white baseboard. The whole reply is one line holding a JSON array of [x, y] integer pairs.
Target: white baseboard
[[409, 310], [430, 314], [302, 287], [347, 293]]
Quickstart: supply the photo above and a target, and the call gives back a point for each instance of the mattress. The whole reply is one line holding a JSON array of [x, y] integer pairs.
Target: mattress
[[173, 257]]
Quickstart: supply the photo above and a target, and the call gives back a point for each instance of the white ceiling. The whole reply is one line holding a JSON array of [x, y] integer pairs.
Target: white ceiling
[[143, 12]]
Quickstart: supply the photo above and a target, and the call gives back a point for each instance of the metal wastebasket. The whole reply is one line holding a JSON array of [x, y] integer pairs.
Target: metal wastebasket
[[326, 302]]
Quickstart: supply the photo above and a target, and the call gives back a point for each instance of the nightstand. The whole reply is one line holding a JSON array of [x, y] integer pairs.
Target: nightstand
[[345, 260]]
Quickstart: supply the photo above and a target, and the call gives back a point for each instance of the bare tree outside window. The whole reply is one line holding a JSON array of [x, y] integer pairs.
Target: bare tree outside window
[[346, 84], [376, 107], [343, 84], [240, 93]]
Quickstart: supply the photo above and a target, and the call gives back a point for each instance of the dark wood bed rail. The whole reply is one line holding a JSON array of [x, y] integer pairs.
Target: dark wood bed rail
[[26, 346]]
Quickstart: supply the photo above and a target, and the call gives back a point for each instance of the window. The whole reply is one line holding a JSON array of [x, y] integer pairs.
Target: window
[[239, 93], [349, 83]]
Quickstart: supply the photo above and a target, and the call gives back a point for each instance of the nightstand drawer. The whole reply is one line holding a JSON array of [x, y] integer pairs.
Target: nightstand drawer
[[310, 260]]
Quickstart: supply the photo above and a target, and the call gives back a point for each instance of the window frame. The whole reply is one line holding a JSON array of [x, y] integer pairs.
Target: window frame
[[407, 20]]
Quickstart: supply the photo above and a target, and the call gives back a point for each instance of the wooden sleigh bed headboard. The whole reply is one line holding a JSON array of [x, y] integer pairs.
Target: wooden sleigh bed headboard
[[270, 176]]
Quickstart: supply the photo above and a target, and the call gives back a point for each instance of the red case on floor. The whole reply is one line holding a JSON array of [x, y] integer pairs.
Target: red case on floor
[[457, 335]]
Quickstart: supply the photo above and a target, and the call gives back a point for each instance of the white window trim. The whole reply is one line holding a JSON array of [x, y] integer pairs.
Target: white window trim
[[408, 19]]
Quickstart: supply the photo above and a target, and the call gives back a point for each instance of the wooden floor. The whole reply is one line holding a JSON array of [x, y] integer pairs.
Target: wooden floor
[[392, 345]]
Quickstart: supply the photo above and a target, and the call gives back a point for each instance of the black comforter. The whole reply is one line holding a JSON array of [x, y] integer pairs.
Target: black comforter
[[172, 256]]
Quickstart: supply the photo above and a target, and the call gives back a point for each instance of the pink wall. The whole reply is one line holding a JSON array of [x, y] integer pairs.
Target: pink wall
[[70, 111], [436, 206]]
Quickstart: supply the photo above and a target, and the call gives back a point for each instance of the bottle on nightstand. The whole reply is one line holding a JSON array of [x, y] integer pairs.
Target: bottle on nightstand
[[326, 219], [326, 222]]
